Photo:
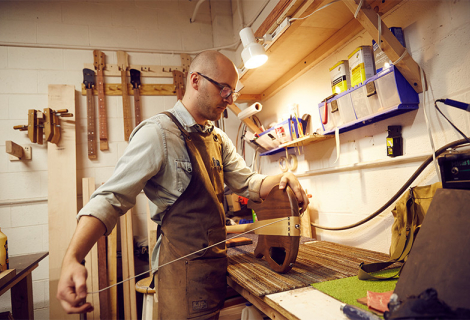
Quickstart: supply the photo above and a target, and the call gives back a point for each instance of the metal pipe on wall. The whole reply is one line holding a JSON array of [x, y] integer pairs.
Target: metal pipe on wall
[[198, 4]]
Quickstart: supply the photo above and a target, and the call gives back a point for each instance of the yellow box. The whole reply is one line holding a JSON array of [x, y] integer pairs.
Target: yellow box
[[361, 64], [339, 75]]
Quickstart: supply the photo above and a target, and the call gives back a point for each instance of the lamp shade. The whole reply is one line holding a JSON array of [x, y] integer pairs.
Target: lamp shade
[[253, 54]]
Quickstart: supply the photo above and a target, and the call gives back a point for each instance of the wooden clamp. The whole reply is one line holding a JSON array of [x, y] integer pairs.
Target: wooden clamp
[[17, 152], [44, 125], [280, 250], [34, 127]]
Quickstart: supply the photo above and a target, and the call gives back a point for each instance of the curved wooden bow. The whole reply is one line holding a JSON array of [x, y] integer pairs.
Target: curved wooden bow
[[280, 246]]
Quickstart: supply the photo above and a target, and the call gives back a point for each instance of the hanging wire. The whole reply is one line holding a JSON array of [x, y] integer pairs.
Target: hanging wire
[[326, 5], [152, 271], [358, 9], [428, 124]]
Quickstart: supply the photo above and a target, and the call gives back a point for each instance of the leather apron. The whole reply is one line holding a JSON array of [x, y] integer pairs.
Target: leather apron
[[195, 287]]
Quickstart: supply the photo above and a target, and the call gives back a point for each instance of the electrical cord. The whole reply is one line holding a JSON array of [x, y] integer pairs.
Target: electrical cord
[[402, 189], [450, 122], [326, 5]]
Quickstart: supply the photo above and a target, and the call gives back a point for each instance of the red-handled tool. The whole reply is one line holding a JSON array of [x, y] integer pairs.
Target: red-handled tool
[[325, 111], [325, 114]]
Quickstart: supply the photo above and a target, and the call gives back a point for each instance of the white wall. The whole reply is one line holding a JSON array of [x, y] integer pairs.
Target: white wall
[[48, 42], [45, 43], [437, 35]]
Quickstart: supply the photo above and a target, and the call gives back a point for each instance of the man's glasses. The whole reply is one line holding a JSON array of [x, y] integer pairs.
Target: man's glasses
[[225, 91]]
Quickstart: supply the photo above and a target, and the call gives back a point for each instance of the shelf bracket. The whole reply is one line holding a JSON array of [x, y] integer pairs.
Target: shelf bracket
[[17, 152], [390, 44]]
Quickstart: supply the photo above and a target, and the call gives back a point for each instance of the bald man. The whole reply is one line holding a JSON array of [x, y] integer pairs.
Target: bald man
[[182, 163]]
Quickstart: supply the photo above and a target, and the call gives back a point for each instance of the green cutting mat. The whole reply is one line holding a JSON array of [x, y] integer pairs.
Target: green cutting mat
[[348, 290]]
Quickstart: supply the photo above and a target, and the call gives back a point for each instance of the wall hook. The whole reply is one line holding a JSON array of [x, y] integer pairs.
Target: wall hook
[[17, 152]]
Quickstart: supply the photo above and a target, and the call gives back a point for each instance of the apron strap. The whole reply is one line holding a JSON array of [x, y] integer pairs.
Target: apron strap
[[178, 124]]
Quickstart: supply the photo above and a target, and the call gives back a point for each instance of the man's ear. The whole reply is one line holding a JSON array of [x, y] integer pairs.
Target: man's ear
[[194, 81]]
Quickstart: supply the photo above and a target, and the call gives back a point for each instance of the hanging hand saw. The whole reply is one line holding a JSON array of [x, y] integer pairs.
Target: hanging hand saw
[[135, 80], [123, 65], [100, 63], [89, 82]]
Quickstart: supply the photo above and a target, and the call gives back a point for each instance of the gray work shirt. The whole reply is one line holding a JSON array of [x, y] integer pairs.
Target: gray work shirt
[[156, 161]]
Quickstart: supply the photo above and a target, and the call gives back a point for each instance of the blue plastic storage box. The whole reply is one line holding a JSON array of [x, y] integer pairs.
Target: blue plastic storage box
[[385, 95]]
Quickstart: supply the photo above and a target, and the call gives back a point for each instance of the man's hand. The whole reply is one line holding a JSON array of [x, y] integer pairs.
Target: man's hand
[[72, 290], [286, 179]]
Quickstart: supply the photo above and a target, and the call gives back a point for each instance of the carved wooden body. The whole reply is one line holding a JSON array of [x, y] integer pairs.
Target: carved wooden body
[[279, 251]]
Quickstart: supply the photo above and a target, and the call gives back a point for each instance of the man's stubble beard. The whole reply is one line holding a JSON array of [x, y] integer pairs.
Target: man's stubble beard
[[209, 112]]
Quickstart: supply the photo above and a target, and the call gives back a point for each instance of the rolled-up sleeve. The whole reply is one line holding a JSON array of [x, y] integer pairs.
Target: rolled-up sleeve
[[237, 175], [142, 159]]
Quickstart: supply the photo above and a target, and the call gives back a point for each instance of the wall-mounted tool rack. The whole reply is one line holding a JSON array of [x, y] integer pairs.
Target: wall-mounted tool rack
[[177, 88], [115, 89], [112, 70], [178, 73]]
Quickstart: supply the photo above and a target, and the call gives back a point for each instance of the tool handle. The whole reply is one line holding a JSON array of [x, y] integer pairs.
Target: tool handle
[[457, 104], [20, 127], [325, 114]]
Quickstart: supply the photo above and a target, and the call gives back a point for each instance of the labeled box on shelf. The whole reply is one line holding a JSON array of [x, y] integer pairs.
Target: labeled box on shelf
[[361, 65], [385, 95], [339, 75], [283, 132]]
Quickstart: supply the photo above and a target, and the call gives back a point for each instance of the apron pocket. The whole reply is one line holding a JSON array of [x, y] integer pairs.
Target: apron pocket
[[206, 285], [216, 235]]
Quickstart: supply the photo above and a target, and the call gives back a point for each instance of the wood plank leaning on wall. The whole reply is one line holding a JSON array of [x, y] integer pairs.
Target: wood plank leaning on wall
[[62, 192], [128, 268], [91, 260]]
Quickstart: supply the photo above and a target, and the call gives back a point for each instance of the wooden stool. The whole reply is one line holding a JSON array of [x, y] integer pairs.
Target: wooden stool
[[147, 306]]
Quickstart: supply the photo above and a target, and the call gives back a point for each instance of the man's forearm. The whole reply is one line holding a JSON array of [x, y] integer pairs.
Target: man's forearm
[[268, 183], [89, 230], [285, 179]]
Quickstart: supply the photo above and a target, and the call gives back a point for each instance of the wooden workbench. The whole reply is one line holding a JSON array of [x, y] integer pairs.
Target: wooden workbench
[[291, 296], [304, 304], [21, 284]]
